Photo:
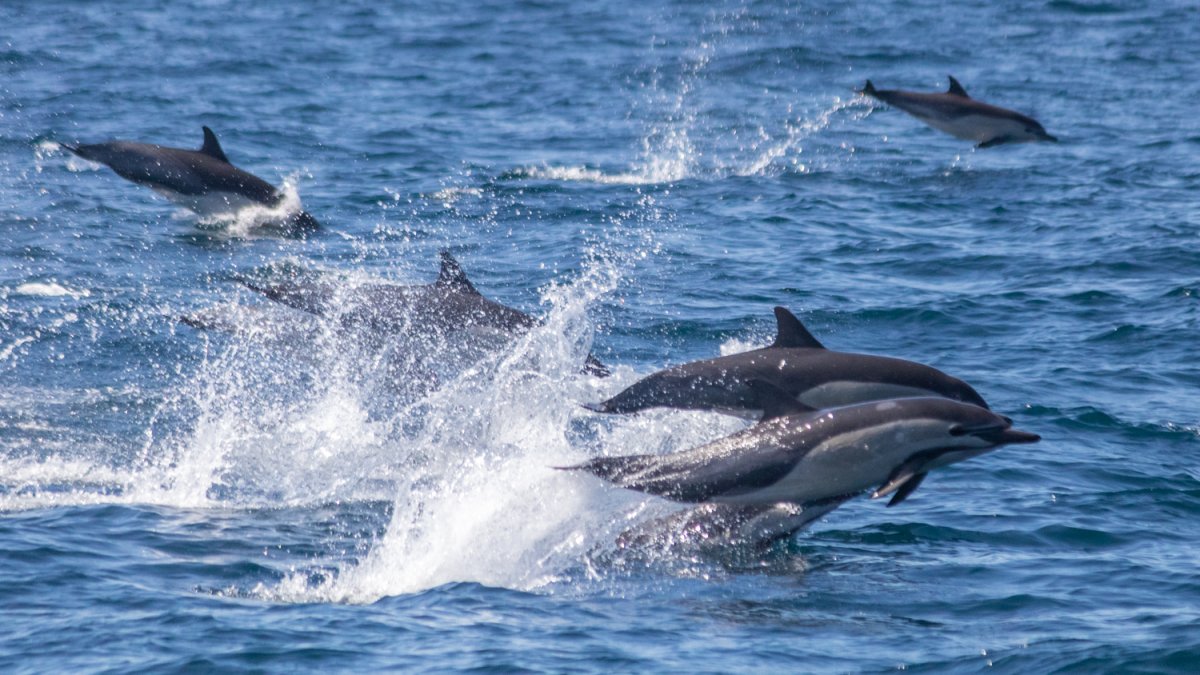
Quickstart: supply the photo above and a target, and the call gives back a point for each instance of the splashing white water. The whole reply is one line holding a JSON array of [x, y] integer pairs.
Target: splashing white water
[[249, 219], [669, 155]]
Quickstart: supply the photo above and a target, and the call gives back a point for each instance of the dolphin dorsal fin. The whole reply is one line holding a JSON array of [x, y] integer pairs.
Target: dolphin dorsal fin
[[776, 402], [956, 89], [211, 147], [792, 333], [452, 276]]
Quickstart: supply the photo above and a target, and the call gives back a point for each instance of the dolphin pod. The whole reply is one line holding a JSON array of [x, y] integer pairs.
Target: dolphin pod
[[451, 305], [201, 180], [831, 425], [800, 365], [956, 113]]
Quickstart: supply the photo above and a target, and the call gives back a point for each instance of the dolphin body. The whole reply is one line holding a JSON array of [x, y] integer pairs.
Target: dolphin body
[[201, 180], [799, 455], [712, 527], [800, 365], [961, 116], [449, 305]]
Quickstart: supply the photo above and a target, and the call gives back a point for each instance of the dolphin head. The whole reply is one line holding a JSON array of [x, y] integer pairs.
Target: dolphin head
[[967, 431], [1033, 131], [972, 426]]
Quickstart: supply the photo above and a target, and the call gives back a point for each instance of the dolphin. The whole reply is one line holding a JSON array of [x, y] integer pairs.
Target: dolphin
[[713, 526], [961, 116], [201, 180], [799, 364], [801, 455], [449, 305]]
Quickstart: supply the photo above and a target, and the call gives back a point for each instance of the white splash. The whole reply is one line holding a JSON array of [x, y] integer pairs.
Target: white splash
[[246, 219], [49, 289]]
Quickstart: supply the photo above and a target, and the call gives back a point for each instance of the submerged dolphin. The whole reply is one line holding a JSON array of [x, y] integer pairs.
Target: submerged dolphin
[[800, 365], [804, 456], [202, 180], [713, 526], [961, 116], [450, 304]]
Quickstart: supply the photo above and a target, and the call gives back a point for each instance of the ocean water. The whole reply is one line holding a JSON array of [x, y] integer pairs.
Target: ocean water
[[651, 179]]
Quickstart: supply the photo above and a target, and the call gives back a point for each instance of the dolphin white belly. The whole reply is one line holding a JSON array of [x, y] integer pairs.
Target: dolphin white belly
[[210, 203], [978, 128]]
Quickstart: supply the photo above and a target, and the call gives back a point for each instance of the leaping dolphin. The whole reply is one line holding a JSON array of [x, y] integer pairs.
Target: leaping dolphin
[[961, 116], [800, 365], [449, 305], [201, 180], [800, 455]]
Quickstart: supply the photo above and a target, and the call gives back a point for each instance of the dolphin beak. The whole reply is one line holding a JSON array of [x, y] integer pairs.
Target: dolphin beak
[[999, 435], [1011, 435], [1048, 137]]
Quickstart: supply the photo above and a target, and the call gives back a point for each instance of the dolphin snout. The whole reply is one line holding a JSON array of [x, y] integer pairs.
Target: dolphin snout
[[1011, 435], [1047, 137]]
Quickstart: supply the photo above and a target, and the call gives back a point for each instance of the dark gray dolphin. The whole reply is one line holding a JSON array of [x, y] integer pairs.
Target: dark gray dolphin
[[449, 305], [800, 365], [202, 180], [804, 456], [961, 116]]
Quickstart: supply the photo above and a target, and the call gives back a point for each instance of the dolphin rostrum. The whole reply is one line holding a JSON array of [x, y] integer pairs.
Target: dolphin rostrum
[[961, 116], [800, 455], [799, 364], [449, 305], [201, 180]]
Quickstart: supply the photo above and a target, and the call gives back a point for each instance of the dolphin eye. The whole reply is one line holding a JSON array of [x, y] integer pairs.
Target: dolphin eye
[[957, 430]]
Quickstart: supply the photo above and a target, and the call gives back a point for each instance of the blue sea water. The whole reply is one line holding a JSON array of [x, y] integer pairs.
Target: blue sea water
[[651, 178]]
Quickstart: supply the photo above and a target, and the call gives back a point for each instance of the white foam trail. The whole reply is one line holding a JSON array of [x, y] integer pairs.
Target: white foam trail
[[249, 219], [49, 290]]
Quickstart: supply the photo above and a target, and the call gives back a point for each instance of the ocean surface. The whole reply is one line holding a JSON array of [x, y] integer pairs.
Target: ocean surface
[[651, 179]]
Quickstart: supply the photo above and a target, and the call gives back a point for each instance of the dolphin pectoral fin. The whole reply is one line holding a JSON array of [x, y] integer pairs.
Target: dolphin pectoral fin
[[898, 478], [775, 402], [956, 89], [791, 333], [991, 143], [212, 147], [452, 276], [907, 489]]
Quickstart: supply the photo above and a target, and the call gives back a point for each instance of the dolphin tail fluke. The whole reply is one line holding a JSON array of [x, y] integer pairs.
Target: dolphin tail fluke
[[593, 366], [867, 90], [601, 407], [303, 222], [253, 285], [616, 470], [195, 322]]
